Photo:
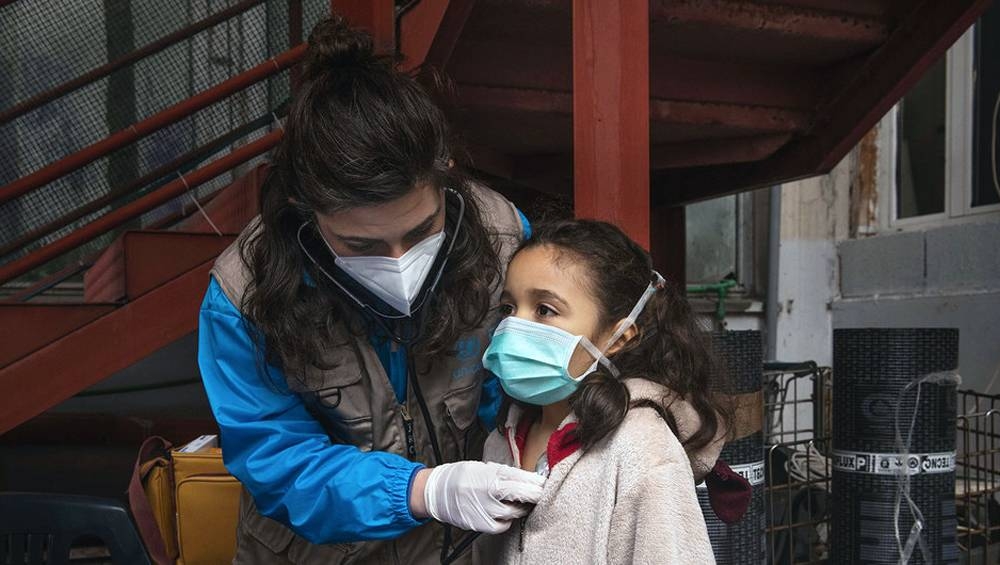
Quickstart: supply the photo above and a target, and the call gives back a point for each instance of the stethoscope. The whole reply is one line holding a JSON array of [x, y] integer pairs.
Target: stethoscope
[[381, 319], [379, 316]]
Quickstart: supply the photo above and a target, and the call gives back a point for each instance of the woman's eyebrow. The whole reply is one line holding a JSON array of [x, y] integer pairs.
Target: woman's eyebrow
[[423, 226]]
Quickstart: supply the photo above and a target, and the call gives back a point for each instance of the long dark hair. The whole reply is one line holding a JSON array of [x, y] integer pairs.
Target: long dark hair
[[358, 133], [669, 348]]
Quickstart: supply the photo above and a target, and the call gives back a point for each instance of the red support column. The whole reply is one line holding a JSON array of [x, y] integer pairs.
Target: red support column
[[378, 17], [668, 231], [611, 113]]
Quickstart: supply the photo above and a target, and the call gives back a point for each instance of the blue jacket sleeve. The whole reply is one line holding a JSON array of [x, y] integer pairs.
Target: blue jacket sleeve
[[489, 402], [325, 492]]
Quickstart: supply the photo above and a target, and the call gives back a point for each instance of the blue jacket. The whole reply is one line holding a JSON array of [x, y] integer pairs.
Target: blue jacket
[[325, 492]]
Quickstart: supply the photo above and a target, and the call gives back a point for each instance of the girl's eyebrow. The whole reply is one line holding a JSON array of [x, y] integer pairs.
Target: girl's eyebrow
[[542, 294]]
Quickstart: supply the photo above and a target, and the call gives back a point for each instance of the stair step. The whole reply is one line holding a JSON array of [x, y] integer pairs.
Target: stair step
[[25, 328], [142, 260], [106, 345], [232, 207]]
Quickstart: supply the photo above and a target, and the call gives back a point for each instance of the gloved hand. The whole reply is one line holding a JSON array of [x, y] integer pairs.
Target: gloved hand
[[482, 497]]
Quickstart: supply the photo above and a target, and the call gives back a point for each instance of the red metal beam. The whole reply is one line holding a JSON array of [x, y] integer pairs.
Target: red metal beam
[[772, 18], [27, 327], [448, 33], [132, 57], [85, 210], [754, 118], [519, 99], [668, 231], [914, 46], [429, 31], [45, 378], [155, 122], [736, 116], [611, 113], [120, 216], [294, 38], [716, 151], [549, 67], [377, 17]]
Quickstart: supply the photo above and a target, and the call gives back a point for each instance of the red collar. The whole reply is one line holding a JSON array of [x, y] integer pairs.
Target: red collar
[[562, 443]]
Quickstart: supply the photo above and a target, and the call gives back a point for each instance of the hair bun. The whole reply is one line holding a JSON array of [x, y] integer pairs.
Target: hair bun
[[335, 45]]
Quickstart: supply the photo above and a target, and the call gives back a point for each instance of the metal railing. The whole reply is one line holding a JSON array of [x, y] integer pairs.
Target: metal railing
[[798, 440]]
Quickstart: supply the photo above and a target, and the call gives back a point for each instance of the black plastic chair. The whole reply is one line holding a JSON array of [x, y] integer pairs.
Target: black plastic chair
[[40, 528]]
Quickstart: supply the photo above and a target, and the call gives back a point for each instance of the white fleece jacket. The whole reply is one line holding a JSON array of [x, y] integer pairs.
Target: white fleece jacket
[[628, 499]]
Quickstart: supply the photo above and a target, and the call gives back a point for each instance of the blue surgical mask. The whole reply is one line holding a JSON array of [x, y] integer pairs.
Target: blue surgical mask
[[532, 360]]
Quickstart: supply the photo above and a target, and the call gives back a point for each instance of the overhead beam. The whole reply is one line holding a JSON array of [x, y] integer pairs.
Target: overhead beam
[[737, 116], [771, 18], [914, 46], [754, 118], [611, 114], [716, 151], [829, 20], [548, 67]]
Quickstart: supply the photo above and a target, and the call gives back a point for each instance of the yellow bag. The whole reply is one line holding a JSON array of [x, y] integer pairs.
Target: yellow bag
[[185, 504], [207, 498]]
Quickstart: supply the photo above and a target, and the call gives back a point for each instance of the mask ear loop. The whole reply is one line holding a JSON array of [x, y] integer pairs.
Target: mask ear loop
[[629, 321]]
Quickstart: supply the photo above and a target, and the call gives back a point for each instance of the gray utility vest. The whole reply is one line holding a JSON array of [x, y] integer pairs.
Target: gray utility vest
[[356, 405]]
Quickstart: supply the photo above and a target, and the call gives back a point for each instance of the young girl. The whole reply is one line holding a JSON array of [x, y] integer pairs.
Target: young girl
[[610, 380]]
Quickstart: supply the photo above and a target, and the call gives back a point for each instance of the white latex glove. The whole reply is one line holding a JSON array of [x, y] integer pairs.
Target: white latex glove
[[482, 497]]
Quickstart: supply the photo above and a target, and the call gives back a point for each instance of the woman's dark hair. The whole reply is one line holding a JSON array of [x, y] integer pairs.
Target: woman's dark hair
[[669, 348], [358, 133]]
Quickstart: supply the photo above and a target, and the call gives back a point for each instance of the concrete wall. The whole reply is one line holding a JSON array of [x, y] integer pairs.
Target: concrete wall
[[942, 277], [813, 217]]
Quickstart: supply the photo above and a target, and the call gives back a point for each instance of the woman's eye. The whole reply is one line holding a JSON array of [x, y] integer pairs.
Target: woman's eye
[[361, 248], [544, 311]]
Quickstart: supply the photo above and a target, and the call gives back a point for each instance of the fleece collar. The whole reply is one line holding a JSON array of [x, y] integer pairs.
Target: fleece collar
[[562, 443]]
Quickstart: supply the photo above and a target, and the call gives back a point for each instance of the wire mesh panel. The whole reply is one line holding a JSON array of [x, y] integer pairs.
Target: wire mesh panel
[[977, 479], [798, 426], [78, 72], [797, 501]]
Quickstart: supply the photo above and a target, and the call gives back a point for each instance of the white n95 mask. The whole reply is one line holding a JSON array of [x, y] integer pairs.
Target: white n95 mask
[[396, 281]]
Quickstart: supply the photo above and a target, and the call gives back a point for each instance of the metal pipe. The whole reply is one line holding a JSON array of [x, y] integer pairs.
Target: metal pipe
[[50, 281], [182, 163], [153, 123], [128, 212], [294, 38], [773, 274], [141, 53]]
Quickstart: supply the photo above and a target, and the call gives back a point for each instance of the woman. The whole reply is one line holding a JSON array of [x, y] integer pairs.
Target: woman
[[341, 335]]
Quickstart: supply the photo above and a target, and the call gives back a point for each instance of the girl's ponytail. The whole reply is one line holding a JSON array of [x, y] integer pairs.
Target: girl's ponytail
[[600, 404]]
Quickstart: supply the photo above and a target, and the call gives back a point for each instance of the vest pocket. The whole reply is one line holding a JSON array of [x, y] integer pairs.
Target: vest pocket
[[340, 400], [461, 408], [267, 532]]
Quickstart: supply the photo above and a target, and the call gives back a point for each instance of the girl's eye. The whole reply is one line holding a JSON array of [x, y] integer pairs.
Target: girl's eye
[[505, 310], [544, 311]]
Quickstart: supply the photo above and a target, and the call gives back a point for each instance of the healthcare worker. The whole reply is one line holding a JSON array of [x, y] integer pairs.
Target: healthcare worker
[[341, 337]]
